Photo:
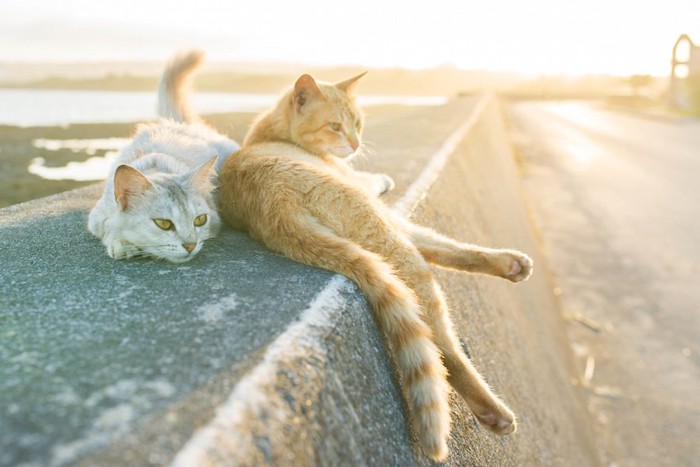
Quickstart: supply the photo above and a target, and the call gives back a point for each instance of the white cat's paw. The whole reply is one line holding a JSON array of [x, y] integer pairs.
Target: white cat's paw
[[518, 265], [116, 249]]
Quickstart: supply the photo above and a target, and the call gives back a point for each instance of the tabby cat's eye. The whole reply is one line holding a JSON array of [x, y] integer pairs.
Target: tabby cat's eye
[[164, 224], [200, 220], [335, 126]]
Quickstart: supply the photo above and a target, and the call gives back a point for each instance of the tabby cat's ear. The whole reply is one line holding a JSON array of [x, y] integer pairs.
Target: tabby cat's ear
[[129, 182], [349, 84], [305, 89], [202, 177]]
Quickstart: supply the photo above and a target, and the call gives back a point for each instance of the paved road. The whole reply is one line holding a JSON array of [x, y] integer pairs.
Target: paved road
[[616, 196]]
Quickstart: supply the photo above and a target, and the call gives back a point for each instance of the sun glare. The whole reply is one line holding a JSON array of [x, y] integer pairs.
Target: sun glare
[[573, 37]]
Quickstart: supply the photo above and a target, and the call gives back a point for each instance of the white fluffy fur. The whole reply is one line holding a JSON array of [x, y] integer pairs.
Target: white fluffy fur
[[173, 154]]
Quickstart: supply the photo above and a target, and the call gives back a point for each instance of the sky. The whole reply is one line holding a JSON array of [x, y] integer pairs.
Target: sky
[[571, 37]]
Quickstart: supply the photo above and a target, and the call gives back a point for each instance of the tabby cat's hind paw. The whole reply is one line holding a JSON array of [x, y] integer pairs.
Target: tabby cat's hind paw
[[501, 422], [519, 266]]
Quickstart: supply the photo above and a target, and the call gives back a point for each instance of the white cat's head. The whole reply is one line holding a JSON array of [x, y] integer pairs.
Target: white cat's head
[[163, 216]]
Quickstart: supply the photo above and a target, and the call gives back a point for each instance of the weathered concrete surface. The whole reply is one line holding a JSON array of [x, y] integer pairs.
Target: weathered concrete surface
[[119, 363]]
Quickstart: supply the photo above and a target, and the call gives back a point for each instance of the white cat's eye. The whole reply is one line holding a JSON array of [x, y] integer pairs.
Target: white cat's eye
[[335, 126], [164, 224], [200, 220]]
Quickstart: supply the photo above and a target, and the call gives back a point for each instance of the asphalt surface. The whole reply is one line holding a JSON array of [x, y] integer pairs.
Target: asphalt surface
[[615, 195]]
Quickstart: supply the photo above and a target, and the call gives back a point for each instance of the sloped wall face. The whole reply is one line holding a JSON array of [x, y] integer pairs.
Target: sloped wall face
[[340, 404], [514, 333]]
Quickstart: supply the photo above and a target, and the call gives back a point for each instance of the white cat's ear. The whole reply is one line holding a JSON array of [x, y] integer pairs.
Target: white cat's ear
[[129, 182], [305, 89], [202, 178], [349, 85]]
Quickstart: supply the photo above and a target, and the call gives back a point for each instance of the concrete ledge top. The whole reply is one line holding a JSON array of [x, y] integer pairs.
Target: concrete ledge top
[[90, 345]]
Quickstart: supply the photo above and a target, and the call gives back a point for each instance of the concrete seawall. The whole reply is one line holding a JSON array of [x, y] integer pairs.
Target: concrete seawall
[[242, 357]]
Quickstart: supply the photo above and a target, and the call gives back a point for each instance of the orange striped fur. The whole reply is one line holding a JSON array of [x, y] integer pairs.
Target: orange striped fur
[[289, 188]]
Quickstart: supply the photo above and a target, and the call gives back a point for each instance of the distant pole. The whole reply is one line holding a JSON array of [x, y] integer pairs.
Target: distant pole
[[675, 96]]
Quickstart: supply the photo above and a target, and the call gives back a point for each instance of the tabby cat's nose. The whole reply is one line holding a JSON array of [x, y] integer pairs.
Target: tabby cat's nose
[[189, 246]]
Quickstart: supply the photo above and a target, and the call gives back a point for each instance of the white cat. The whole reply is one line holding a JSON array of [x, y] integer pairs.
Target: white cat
[[158, 199]]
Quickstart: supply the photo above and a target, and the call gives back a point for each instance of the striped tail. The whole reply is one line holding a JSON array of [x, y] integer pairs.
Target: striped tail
[[397, 313], [175, 87], [417, 357]]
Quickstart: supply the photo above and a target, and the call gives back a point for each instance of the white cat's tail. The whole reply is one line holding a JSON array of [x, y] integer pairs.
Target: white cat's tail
[[174, 91]]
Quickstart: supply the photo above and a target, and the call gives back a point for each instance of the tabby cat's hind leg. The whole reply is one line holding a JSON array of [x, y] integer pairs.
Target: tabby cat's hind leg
[[486, 406], [446, 252], [417, 358], [491, 412]]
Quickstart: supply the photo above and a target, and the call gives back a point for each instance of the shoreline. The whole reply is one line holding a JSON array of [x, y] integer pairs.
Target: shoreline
[[18, 149]]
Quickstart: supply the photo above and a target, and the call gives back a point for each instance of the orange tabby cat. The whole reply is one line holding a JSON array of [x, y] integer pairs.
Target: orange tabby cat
[[290, 189]]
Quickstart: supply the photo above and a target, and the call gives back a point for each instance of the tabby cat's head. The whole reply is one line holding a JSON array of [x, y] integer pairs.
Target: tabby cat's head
[[324, 117], [164, 216]]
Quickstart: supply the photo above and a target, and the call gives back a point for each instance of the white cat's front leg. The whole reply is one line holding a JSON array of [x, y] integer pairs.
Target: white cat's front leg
[[116, 248], [96, 221]]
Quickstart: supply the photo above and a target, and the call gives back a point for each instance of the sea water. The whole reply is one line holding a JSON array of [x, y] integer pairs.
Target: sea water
[[31, 108]]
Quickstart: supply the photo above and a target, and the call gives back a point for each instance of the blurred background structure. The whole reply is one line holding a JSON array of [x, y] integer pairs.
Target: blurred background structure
[[684, 81]]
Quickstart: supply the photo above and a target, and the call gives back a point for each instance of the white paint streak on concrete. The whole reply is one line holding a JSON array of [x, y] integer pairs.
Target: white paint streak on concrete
[[225, 436], [419, 188], [212, 313], [132, 398]]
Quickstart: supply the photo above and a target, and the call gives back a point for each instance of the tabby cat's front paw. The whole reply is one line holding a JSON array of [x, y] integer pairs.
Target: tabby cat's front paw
[[385, 183], [517, 266]]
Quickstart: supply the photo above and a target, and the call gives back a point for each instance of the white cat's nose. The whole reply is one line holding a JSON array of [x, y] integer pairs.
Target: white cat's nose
[[189, 246]]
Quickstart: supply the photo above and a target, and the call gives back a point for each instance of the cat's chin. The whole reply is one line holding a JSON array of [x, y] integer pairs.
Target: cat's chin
[[175, 259], [348, 157], [179, 260], [344, 153]]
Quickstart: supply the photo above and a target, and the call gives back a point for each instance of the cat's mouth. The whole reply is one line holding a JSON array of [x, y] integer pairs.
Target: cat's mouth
[[184, 259], [187, 256], [144, 253]]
